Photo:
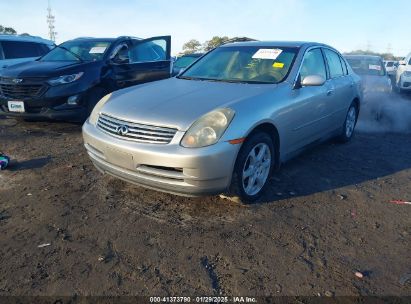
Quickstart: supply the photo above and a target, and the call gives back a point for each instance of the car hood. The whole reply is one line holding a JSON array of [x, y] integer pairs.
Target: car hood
[[177, 102], [43, 68]]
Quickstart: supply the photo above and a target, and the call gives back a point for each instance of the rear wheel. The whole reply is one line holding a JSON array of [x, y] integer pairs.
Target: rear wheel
[[253, 168], [349, 124]]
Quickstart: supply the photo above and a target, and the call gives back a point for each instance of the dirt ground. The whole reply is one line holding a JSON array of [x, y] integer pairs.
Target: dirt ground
[[326, 215]]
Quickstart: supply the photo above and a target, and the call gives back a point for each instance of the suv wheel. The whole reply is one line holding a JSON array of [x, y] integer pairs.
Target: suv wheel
[[253, 168]]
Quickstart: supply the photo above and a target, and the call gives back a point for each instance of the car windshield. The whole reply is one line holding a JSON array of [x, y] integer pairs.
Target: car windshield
[[250, 64], [367, 66], [390, 64], [78, 50], [185, 61]]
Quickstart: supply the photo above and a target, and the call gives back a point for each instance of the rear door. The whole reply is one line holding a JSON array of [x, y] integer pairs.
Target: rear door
[[146, 60], [342, 89]]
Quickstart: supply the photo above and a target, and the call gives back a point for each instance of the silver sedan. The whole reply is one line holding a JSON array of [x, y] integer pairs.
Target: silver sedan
[[226, 122]]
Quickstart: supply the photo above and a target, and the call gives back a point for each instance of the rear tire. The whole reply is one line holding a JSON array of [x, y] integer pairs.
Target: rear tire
[[349, 124], [253, 168]]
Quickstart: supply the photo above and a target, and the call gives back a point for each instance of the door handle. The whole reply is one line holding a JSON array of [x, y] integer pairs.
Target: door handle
[[330, 92]]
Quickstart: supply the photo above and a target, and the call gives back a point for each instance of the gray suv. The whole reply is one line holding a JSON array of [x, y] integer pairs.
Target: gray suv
[[16, 49]]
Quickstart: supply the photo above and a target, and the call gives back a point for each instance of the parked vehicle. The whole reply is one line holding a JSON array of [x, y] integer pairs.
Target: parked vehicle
[[391, 67], [227, 121], [372, 72], [68, 81], [16, 49], [184, 61], [403, 75]]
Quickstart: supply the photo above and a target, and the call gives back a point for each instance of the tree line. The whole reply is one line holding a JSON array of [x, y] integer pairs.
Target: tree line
[[195, 46]]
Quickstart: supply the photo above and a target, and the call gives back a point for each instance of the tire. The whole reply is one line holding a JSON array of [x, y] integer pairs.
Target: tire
[[350, 122], [250, 152]]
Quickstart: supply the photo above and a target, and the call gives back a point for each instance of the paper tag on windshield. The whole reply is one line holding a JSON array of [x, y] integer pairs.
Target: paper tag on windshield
[[97, 50], [267, 54], [374, 67]]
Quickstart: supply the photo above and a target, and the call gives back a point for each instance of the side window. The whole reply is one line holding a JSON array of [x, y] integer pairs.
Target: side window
[[19, 49], [313, 64], [153, 50], [344, 65], [334, 63], [409, 62]]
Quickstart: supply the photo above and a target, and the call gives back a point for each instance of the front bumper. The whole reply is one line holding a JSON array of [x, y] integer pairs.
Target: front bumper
[[164, 167]]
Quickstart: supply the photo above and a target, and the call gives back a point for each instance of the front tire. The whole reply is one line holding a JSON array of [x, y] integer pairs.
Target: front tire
[[349, 124], [253, 167]]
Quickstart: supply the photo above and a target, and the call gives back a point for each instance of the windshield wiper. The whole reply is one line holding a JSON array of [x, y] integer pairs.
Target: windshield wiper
[[74, 54]]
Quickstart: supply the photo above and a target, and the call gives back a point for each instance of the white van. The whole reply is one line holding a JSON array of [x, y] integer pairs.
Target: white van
[[16, 49]]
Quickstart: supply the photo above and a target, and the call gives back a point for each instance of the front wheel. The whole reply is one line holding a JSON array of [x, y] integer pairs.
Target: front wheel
[[349, 124], [253, 168]]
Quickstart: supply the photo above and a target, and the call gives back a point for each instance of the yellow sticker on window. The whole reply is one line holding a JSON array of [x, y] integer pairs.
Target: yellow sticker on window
[[278, 65]]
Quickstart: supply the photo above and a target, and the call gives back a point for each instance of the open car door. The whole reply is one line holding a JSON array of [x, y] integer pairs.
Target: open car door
[[143, 61]]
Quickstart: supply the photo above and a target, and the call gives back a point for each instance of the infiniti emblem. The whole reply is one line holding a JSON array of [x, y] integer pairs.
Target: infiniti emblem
[[17, 80], [122, 130]]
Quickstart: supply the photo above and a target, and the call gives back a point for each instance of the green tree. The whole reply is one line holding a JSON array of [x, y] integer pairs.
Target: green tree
[[7, 30], [216, 41], [192, 46], [385, 56]]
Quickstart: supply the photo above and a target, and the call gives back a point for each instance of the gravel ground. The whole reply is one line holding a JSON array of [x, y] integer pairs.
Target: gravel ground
[[327, 214]]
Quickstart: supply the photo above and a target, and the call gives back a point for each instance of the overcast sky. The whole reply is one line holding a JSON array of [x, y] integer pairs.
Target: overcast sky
[[346, 25]]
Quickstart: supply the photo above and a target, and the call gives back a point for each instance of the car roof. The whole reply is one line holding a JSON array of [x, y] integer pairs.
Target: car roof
[[25, 38], [111, 39], [363, 56], [296, 44]]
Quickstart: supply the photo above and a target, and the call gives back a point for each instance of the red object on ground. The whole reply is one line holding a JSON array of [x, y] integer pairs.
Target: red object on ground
[[399, 202]]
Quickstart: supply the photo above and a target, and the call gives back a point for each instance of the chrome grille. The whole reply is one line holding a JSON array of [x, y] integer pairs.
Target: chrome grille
[[135, 131]]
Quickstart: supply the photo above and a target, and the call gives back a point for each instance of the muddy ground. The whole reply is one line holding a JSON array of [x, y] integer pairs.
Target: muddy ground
[[326, 215]]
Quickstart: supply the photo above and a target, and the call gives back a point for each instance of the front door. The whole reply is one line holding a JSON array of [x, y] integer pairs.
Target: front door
[[142, 61]]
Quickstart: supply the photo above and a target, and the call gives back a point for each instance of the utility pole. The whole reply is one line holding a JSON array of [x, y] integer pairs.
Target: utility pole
[[50, 21]]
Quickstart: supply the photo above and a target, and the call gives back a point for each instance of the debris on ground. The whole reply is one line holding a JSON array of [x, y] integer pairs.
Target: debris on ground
[[405, 278], [329, 293], [43, 245], [359, 275], [4, 161], [400, 202]]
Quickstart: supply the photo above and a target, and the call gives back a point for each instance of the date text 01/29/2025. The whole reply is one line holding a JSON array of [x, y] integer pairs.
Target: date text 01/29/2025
[[203, 300]]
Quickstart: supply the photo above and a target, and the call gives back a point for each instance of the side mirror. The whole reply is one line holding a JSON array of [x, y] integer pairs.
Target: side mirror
[[313, 81]]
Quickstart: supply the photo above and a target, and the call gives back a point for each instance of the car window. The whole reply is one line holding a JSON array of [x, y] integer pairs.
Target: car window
[[334, 63], [78, 50], [184, 61], [153, 50], [21, 49], [251, 64], [344, 65], [313, 64], [367, 65], [409, 62], [390, 64]]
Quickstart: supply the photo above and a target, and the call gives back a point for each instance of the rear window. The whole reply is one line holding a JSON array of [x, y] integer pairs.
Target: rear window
[[367, 65], [390, 64], [20, 49]]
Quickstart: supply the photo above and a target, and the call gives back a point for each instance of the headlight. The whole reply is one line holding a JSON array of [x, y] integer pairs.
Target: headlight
[[97, 108], [65, 79], [407, 74], [208, 129]]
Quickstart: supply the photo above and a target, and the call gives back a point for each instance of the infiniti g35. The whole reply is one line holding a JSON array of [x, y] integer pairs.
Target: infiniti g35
[[227, 121]]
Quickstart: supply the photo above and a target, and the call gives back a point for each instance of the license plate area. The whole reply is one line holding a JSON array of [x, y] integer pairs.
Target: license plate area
[[16, 106]]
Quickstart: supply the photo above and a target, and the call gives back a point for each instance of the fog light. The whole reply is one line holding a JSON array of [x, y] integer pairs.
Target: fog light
[[73, 100]]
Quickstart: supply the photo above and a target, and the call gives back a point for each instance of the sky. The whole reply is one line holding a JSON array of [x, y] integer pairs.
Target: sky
[[344, 24]]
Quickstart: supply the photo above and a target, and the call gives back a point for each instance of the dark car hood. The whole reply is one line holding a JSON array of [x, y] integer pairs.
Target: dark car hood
[[45, 68]]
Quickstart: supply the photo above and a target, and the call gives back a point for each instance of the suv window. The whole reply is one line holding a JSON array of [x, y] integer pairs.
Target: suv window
[[344, 65], [313, 64], [334, 63], [20, 49], [154, 50], [409, 62]]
